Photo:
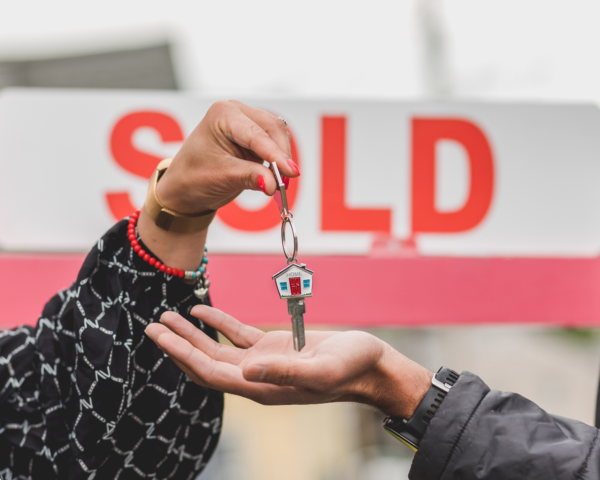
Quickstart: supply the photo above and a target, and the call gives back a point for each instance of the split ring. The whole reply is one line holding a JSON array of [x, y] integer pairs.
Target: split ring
[[290, 258]]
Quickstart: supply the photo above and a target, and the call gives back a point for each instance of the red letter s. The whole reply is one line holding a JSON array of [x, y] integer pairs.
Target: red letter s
[[132, 160]]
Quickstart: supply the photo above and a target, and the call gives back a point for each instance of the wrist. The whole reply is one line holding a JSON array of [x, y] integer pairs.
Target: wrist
[[180, 250], [401, 385], [173, 191]]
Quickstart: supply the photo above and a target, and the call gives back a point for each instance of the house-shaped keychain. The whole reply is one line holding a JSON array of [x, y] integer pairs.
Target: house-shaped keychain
[[294, 281]]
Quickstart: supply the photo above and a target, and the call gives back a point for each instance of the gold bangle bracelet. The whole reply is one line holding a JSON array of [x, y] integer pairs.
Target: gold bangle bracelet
[[167, 218]]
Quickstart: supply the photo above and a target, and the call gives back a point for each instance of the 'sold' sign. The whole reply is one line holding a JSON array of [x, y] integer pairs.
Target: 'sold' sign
[[399, 207], [433, 179]]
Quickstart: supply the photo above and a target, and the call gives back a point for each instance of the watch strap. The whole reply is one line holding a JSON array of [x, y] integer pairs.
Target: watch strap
[[410, 432], [167, 218]]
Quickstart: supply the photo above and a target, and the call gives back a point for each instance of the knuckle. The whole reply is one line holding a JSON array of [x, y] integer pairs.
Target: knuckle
[[256, 131], [211, 369], [285, 378], [218, 347], [217, 113], [248, 179], [276, 130], [219, 106], [222, 318], [188, 356], [238, 329], [191, 331], [275, 125]]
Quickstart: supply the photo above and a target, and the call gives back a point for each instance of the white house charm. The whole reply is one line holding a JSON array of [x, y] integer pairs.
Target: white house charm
[[294, 281]]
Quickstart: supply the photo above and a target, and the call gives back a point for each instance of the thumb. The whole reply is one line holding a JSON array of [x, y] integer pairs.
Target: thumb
[[247, 175], [283, 370]]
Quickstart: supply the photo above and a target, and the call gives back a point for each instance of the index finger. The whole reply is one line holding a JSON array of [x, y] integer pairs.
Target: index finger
[[211, 373], [273, 126], [245, 132], [239, 334], [201, 341]]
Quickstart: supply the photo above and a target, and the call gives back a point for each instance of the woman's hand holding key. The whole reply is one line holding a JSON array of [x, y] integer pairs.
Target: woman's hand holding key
[[222, 157], [333, 367]]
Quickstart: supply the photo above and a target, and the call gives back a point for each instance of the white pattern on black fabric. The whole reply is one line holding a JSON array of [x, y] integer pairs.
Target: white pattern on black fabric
[[87, 395]]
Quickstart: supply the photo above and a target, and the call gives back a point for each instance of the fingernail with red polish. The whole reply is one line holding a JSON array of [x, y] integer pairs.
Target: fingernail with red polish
[[286, 182], [293, 166], [261, 183]]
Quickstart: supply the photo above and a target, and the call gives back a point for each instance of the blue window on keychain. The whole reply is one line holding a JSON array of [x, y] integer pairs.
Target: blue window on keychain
[[283, 285], [306, 283]]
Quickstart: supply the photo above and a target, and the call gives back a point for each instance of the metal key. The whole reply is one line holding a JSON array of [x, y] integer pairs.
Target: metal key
[[297, 309], [294, 283]]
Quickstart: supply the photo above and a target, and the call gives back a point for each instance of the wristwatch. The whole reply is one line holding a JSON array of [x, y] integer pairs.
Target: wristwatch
[[410, 432], [167, 218]]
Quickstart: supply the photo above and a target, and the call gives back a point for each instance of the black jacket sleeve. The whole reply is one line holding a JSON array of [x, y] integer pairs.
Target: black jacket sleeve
[[479, 433], [87, 394]]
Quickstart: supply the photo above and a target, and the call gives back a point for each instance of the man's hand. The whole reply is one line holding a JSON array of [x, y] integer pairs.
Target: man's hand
[[333, 366]]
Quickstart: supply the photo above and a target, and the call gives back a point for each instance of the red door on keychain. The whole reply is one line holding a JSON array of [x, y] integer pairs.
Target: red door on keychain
[[295, 286]]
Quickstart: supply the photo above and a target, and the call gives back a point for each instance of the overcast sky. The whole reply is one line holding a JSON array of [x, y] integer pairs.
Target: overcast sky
[[496, 49]]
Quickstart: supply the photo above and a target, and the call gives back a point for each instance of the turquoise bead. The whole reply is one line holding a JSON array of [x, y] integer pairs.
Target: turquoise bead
[[206, 249], [194, 275], [205, 260], [202, 269]]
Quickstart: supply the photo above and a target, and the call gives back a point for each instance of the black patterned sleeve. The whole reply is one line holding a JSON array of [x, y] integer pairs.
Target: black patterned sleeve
[[87, 395]]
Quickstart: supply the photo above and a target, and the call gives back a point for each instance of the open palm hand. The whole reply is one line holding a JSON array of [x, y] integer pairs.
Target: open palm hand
[[264, 367]]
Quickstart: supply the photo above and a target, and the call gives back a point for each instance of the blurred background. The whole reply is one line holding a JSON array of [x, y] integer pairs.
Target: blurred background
[[464, 50]]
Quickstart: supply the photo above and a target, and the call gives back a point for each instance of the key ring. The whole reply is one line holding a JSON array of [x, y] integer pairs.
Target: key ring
[[286, 216], [293, 258], [281, 200]]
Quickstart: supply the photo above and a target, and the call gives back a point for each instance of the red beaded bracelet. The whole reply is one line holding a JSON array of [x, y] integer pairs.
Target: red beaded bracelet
[[201, 274]]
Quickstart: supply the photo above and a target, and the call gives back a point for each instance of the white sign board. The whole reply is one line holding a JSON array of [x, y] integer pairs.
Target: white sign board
[[433, 178]]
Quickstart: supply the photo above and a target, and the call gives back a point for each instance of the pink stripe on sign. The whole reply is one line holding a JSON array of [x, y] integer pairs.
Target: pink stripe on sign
[[27, 282], [358, 291]]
